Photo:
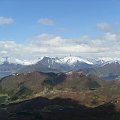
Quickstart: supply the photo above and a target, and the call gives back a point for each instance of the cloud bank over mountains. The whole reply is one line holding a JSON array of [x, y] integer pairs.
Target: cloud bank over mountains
[[46, 44]]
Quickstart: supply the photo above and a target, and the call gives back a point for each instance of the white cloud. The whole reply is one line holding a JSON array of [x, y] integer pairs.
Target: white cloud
[[45, 44], [110, 36], [6, 21], [103, 26], [45, 21]]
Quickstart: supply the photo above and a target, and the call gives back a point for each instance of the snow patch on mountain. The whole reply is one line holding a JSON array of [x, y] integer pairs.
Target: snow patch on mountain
[[72, 60], [108, 60]]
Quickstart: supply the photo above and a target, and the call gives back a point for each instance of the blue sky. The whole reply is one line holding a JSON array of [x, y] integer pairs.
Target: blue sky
[[67, 19], [78, 17]]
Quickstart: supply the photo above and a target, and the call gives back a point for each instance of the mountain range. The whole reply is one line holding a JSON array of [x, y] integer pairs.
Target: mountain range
[[106, 69], [55, 87]]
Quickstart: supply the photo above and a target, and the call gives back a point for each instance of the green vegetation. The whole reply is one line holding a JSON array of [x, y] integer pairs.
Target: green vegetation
[[3, 98], [2, 91], [92, 85], [22, 93], [48, 82]]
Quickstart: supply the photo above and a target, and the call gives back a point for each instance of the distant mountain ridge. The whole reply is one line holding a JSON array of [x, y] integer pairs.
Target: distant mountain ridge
[[69, 60], [101, 66], [9, 68]]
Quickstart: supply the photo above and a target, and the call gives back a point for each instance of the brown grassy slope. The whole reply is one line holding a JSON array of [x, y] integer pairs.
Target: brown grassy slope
[[80, 86], [30, 80]]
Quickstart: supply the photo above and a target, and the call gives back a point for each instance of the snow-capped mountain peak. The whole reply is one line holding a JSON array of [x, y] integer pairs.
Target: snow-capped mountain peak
[[72, 60], [50, 60], [108, 60], [68, 60]]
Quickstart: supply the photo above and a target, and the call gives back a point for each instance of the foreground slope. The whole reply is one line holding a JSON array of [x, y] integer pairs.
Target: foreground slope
[[57, 109]]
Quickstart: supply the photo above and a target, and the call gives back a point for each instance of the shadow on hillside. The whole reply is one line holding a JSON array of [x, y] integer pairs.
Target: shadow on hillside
[[54, 79], [56, 109]]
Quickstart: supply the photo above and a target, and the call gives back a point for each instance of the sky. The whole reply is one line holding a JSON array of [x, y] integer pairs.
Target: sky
[[33, 28]]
